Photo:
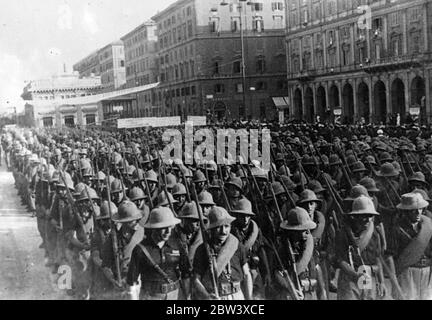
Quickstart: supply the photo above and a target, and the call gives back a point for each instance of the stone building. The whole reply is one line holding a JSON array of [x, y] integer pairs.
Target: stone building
[[367, 59], [205, 67]]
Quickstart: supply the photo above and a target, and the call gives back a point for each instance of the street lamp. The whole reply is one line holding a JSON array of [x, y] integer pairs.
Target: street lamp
[[243, 64]]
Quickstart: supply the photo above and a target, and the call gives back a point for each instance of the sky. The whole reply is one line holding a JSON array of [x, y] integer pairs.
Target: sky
[[38, 37]]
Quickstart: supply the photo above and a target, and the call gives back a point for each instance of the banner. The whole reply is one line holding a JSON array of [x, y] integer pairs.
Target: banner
[[414, 111], [198, 120], [148, 122]]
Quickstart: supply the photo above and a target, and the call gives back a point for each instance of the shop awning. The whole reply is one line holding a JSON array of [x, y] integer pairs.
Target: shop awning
[[281, 102]]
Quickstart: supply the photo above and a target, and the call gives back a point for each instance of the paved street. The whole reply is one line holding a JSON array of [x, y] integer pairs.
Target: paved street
[[23, 274]]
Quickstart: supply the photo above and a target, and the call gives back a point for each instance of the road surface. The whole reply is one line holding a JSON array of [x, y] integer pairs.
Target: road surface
[[23, 275]]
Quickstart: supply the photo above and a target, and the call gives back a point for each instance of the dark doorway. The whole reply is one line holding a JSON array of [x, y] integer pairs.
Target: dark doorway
[[348, 104], [363, 101], [380, 102], [309, 105]]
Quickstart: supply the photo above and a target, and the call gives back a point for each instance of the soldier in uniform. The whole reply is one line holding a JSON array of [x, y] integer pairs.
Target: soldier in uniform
[[229, 260], [247, 231], [156, 260], [358, 250], [129, 235], [411, 248], [188, 235], [296, 249]]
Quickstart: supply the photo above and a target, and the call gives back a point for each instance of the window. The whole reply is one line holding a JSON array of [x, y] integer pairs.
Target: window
[[69, 121], [216, 68], [377, 51], [188, 11], [395, 18], [47, 122], [257, 6], [305, 17], [331, 37], [190, 30], [219, 88], [415, 42], [237, 67], [277, 6], [258, 24], [317, 12], [415, 14], [261, 65], [193, 90], [278, 22], [345, 55], [319, 59], [233, 8], [281, 84], [262, 110], [122, 63], [234, 24], [396, 45], [90, 119], [239, 88], [214, 25], [261, 85], [331, 7]]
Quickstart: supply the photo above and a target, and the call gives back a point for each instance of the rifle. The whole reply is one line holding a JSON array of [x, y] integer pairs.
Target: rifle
[[165, 184], [205, 237], [113, 226], [73, 205], [188, 196], [140, 178], [285, 275], [223, 188]]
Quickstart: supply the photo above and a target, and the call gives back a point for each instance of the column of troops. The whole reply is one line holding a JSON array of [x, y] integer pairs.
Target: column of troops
[[337, 215]]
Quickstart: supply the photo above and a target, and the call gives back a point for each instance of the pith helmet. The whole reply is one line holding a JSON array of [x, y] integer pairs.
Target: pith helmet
[[198, 176], [189, 211], [104, 210], [137, 194], [68, 180], [387, 170], [116, 186], [160, 218], [308, 196], [369, 184], [298, 219], [179, 189], [418, 177], [92, 193], [412, 201], [244, 206], [171, 180], [162, 199], [218, 216], [236, 182], [127, 212], [151, 176], [206, 198], [363, 206]]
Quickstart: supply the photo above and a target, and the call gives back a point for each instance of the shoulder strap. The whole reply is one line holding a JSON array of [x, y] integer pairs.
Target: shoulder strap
[[154, 264]]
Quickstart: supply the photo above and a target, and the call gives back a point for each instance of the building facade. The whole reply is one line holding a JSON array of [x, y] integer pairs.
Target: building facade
[[108, 63], [222, 58], [141, 65], [47, 101], [362, 59]]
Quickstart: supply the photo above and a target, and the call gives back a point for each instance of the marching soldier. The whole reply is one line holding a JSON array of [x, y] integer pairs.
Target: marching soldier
[[229, 260], [156, 260], [358, 250], [410, 247]]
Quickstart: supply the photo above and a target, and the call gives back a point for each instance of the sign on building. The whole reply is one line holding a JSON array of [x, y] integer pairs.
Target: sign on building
[[337, 112], [414, 111], [198, 120], [148, 122]]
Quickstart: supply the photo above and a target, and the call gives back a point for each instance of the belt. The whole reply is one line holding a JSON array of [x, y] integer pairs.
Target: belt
[[164, 288], [228, 288], [423, 263]]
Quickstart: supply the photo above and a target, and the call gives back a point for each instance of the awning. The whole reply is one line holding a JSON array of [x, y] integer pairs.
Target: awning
[[281, 102]]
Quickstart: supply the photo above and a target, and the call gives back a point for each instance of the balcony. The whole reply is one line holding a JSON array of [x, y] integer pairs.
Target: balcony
[[393, 63], [304, 75]]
